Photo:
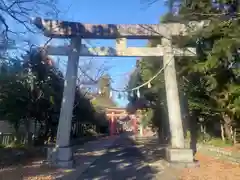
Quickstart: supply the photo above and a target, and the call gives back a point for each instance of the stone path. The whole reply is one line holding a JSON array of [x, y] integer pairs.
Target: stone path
[[118, 157], [142, 158], [121, 161], [86, 155], [154, 154], [127, 159]]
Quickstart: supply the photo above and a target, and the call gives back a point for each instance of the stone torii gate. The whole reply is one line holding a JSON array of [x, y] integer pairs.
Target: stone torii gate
[[77, 31]]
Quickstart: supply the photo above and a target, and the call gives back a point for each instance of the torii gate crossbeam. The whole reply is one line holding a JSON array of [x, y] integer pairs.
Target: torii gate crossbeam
[[78, 31], [66, 29]]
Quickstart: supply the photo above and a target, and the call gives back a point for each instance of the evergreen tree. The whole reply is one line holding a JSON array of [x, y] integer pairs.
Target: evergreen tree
[[209, 80]]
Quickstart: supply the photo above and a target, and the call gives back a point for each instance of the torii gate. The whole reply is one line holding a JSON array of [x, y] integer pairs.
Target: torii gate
[[77, 31], [114, 114]]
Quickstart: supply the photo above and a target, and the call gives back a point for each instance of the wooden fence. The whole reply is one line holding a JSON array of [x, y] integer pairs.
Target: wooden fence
[[8, 138], [78, 130]]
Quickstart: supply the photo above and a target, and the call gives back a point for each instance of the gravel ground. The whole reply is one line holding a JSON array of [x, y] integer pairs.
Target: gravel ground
[[211, 169], [212, 166]]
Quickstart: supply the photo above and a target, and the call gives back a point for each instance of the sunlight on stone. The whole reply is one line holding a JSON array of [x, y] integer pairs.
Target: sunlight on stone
[[99, 178], [55, 148], [122, 166], [7, 169], [37, 162], [131, 178], [92, 166], [107, 170], [140, 167], [139, 146], [121, 154], [157, 165], [100, 152], [81, 149], [87, 162], [117, 161], [29, 166], [150, 152], [68, 170], [94, 153], [113, 150], [120, 148]]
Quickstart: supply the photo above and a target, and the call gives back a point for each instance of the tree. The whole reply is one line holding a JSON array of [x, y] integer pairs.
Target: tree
[[11, 87], [218, 46], [31, 92], [152, 99], [104, 85], [103, 97], [209, 80], [28, 92], [20, 12]]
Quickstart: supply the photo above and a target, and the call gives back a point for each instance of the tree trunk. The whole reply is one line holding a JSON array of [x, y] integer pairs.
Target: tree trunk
[[231, 130], [222, 132], [193, 131], [227, 126], [203, 128], [46, 131], [234, 136], [28, 133], [17, 135], [35, 126]]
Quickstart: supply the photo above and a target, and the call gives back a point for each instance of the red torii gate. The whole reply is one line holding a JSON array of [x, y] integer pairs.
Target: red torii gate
[[113, 114]]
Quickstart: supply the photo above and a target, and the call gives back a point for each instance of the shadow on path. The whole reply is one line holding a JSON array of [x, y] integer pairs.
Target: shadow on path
[[124, 160]]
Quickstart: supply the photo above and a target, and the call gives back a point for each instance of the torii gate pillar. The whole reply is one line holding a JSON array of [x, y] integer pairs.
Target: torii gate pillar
[[112, 124], [177, 153], [135, 128], [64, 154], [173, 102]]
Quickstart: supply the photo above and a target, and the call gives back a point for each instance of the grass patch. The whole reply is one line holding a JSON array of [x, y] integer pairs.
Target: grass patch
[[209, 140], [14, 145], [218, 142]]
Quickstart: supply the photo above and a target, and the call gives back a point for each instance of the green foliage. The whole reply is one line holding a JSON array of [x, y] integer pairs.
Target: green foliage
[[15, 145], [205, 138], [14, 90], [32, 91], [147, 117], [209, 80], [102, 99], [218, 142], [104, 85]]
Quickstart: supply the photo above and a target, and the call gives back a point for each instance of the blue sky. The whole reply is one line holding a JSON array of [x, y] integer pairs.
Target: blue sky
[[114, 12], [107, 12]]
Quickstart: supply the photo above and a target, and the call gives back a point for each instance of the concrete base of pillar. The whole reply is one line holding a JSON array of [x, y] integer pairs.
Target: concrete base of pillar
[[181, 157], [64, 157]]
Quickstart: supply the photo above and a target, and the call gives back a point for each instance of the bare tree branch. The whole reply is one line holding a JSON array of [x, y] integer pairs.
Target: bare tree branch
[[86, 69], [19, 12]]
